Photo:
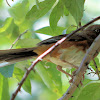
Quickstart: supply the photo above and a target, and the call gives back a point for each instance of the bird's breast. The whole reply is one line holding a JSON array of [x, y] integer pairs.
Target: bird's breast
[[67, 56]]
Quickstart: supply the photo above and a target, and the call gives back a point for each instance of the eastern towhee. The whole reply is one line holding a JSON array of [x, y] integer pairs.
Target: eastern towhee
[[68, 54]]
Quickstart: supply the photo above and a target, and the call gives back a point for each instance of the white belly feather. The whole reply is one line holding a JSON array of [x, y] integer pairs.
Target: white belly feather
[[72, 55]]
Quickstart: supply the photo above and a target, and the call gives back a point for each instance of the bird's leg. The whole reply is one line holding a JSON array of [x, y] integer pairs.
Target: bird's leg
[[73, 73], [74, 66], [59, 68]]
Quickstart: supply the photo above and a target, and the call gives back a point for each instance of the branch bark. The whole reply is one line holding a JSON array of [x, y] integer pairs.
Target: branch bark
[[8, 3]]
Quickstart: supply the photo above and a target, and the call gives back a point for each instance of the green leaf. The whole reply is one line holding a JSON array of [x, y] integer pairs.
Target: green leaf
[[19, 11], [1, 85], [66, 12], [7, 71], [18, 74], [47, 30], [4, 88], [37, 4], [54, 74], [65, 82], [91, 91], [8, 32], [78, 90], [36, 13], [9, 29], [50, 76], [70, 29], [1, 3], [76, 8], [29, 42], [55, 15], [8, 22]]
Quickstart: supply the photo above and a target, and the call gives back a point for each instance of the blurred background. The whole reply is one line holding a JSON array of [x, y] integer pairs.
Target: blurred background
[[39, 90]]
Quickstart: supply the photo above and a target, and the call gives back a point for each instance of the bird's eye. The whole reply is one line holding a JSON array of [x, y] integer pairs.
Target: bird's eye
[[97, 30]]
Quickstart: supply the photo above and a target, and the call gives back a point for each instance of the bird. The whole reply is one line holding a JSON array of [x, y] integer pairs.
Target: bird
[[68, 54]]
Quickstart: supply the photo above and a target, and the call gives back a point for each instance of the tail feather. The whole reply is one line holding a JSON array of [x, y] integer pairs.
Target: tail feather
[[14, 55]]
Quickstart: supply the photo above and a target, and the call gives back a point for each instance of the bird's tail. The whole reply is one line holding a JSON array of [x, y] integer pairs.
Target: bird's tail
[[11, 56]]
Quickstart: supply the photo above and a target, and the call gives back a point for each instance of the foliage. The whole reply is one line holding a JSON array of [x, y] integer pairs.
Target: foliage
[[23, 16]]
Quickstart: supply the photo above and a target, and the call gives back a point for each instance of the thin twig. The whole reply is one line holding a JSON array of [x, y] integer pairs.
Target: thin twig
[[17, 39], [8, 3], [80, 24], [97, 71], [92, 73], [44, 54]]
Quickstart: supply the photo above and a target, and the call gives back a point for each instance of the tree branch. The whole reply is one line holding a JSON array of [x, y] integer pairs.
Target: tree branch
[[8, 3], [18, 39], [44, 54]]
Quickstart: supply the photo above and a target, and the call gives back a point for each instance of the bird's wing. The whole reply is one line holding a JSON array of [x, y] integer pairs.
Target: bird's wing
[[75, 37]]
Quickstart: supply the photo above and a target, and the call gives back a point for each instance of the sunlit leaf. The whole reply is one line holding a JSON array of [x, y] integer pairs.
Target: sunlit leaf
[[9, 31], [66, 12], [75, 7], [70, 29], [55, 15], [9, 28], [4, 88], [29, 42], [36, 13], [6, 24], [50, 76], [47, 30], [37, 4], [19, 11], [1, 3]]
